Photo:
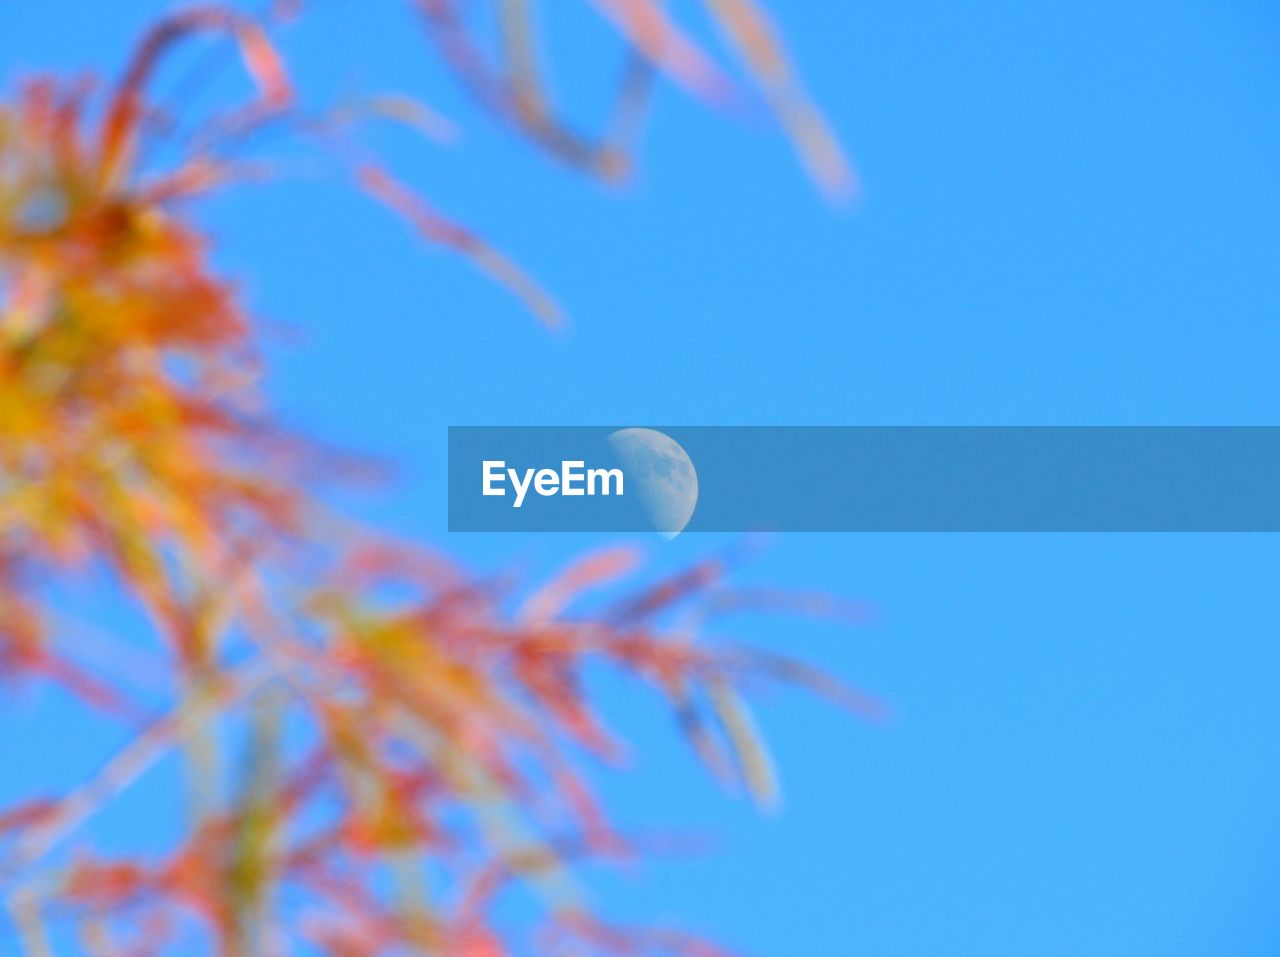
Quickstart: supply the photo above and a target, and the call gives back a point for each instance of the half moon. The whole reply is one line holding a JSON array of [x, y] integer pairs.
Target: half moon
[[662, 474]]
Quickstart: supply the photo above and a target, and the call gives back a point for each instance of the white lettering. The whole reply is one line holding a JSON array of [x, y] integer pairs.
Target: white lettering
[[547, 482], [573, 478], [571, 472], [603, 475], [493, 473], [521, 487]]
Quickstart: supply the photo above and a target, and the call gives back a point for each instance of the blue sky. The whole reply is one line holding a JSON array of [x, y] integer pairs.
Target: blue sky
[[1070, 215]]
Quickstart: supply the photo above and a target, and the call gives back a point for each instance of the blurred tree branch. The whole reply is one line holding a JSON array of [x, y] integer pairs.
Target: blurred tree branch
[[405, 728]]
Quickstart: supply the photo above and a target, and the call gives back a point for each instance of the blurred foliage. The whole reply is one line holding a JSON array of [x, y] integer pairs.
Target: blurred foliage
[[415, 739]]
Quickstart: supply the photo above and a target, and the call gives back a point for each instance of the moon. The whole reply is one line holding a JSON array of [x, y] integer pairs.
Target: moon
[[663, 474]]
